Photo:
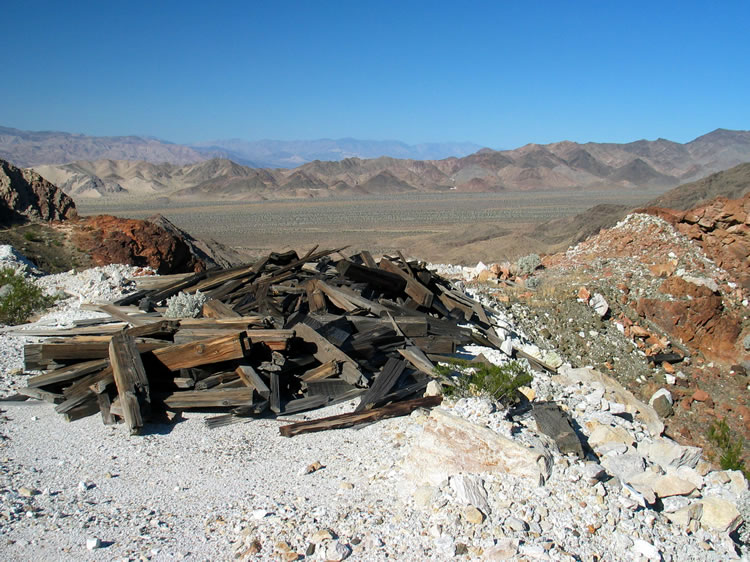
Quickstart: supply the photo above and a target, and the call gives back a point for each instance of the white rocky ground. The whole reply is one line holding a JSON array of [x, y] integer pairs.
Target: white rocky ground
[[84, 491]]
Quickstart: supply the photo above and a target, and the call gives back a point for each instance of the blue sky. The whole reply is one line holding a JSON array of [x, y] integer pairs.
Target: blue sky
[[500, 74]]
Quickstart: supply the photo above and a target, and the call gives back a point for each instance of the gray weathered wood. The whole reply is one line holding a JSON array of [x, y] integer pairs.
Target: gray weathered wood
[[132, 383]]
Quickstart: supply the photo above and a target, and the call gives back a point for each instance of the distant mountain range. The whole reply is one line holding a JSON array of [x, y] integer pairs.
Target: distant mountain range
[[34, 148], [561, 165]]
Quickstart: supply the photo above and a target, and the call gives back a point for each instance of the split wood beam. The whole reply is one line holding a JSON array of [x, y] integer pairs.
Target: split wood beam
[[131, 381], [355, 418]]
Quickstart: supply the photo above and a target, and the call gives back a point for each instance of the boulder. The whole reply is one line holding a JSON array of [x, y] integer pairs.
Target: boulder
[[450, 445], [109, 239], [670, 454], [719, 515], [25, 196], [614, 392], [661, 401]]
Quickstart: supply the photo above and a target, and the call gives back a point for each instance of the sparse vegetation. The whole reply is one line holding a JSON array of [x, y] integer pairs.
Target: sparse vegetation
[[478, 379], [528, 264], [729, 445], [31, 236], [20, 298]]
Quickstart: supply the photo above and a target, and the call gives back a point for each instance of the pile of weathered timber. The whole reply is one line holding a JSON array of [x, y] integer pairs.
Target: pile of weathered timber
[[284, 335]]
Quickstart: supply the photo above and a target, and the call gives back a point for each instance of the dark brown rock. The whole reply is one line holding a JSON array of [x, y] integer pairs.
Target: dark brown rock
[[27, 197]]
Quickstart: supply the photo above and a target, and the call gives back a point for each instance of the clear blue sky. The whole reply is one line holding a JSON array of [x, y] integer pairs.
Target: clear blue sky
[[499, 73]]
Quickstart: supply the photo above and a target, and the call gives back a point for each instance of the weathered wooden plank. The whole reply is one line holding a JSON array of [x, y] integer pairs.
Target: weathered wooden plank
[[215, 380], [277, 340], [216, 309], [415, 356], [131, 381], [252, 379], [39, 355], [328, 369], [213, 350], [304, 404], [421, 294], [348, 300], [104, 408], [241, 323], [354, 418], [90, 382], [69, 373], [153, 329], [74, 401], [380, 279], [212, 398], [384, 382], [328, 387], [40, 394], [367, 259], [117, 312], [326, 352], [436, 344], [184, 382], [275, 398], [84, 410]]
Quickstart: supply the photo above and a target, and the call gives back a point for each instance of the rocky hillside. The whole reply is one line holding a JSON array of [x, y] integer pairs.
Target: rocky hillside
[[25, 196], [562, 165]]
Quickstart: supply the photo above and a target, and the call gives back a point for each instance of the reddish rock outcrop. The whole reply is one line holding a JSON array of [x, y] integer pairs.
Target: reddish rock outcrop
[[722, 228], [27, 197], [109, 239], [697, 317]]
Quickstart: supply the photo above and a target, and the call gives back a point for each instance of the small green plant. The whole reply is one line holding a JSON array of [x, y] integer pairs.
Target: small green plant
[[19, 297], [528, 264], [731, 447], [31, 236], [478, 379]]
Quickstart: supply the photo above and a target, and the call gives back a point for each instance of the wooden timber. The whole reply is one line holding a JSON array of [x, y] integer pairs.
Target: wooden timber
[[131, 381], [252, 379], [201, 352], [384, 382], [66, 374], [212, 398], [326, 352], [355, 418], [216, 309]]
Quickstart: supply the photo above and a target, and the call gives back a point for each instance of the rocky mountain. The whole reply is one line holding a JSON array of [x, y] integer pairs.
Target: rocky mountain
[[25, 196], [290, 154], [562, 165], [31, 148], [35, 148]]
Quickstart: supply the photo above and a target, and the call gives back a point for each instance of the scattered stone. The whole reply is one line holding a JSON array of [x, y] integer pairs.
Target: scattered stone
[[516, 524], [624, 466], [599, 304], [25, 492], [662, 401], [700, 395], [321, 535], [434, 388], [470, 490], [338, 551], [646, 549], [667, 453], [504, 549], [424, 495], [93, 543], [473, 515], [719, 515], [601, 434], [314, 467]]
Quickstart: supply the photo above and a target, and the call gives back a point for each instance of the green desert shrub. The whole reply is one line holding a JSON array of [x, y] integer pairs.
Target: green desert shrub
[[500, 383], [19, 297], [528, 264], [730, 447]]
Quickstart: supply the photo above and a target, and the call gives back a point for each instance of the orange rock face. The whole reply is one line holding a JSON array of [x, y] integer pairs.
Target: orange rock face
[[109, 239]]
